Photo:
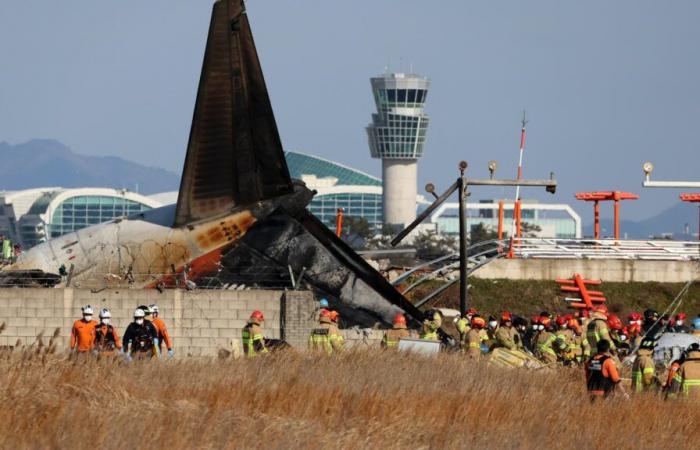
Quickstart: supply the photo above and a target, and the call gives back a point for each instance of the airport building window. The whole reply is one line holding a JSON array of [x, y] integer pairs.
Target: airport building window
[[82, 211]]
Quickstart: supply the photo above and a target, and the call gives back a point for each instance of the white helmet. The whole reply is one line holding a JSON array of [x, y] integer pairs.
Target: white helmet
[[139, 313], [154, 308], [87, 310], [105, 314]]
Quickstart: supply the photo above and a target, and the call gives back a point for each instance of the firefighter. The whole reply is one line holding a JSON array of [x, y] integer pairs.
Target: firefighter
[[82, 335], [140, 338], [686, 382], [643, 377], [679, 325], [474, 337], [506, 336], [320, 338], [580, 348], [392, 337], [672, 371], [489, 335], [652, 327], [544, 345], [463, 326], [337, 339], [634, 329], [602, 377], [619, 339], [106, 336], [530, 336], [252, 337], [431, 325], [163, 335], [597, 329], [564, 342]]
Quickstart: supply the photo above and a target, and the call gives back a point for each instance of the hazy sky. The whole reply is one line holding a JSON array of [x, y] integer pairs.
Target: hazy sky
[[607, 84]]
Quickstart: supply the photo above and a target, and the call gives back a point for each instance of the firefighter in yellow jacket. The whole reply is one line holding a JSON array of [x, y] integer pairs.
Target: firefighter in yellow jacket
[[431, 325], [544, 345], [253, 339], [463, 326], [643, 376], [597, 329], [475, 337], [399, 331], [506, 336], [686, 382], [325, 337]]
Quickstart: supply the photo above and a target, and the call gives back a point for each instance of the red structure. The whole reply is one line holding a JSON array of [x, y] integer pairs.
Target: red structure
[[339, 222], [597, 197], [577, 284], [693, 198]]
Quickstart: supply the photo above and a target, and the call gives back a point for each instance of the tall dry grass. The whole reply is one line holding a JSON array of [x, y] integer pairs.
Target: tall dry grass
[[356, 400]]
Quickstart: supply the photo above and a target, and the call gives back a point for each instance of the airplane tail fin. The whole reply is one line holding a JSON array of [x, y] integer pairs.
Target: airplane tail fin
[[234, 153]]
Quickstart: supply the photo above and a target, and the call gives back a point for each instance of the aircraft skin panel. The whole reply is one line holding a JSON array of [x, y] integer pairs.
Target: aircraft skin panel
[[234, 154], [145, 249]]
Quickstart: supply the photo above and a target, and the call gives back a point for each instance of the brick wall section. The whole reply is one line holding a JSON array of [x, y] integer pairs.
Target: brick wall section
[[201, 322]]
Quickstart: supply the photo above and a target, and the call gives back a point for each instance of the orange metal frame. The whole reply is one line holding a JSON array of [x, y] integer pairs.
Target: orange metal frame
[[577, 284], [339, 222], [596, 198]]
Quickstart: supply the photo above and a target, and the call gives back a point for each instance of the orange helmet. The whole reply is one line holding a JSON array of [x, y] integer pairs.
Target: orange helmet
[[334, 315], [506, 316], [478, 322], [399, 319], [571, 322], [472, 312], [614, 322], [324, 316], [258, 315], [601, 309], [561, 320], [634, 316]]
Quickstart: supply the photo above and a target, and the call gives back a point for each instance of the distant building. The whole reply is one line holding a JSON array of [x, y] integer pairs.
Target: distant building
[[397, 137], [338, 186], [554, 220], [32, 216]]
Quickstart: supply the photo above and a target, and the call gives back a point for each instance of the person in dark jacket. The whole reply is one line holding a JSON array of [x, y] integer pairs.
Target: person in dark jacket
[[141, 337]]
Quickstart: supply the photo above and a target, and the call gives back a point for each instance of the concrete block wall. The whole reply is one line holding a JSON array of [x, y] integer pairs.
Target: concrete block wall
[[200, 322]]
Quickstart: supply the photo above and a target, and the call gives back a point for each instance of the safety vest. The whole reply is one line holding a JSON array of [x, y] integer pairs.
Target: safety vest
[[546, 346], [320, 339], [105, 338], [596, 380], [251, 340]]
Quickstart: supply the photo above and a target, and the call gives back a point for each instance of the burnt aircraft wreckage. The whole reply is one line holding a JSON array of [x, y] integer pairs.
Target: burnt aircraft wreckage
[[237, 204]]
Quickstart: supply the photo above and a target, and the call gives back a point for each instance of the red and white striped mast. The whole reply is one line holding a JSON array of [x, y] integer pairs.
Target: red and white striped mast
[[516, 227]]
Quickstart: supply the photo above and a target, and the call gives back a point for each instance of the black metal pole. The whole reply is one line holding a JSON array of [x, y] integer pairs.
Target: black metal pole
[[462, 245]]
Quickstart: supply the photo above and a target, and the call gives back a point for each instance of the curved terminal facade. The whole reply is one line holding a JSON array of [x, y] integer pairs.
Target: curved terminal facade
[[397, 136], [32, 216], [338, 186]]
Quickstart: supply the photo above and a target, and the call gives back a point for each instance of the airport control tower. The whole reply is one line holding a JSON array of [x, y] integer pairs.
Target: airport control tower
[[396, 136]]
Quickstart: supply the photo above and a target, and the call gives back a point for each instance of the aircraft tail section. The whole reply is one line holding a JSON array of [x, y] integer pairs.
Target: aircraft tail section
[[234, 153]]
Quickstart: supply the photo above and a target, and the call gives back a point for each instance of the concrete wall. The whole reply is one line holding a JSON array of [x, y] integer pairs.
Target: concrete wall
[[400, 178], [606, 270], [201, 322]]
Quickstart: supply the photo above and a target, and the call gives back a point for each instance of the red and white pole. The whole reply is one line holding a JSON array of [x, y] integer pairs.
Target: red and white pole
[[516, 228]]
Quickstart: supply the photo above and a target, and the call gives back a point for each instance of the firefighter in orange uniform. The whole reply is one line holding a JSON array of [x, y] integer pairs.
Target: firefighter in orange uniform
[[163, 335], [602, 377], [82, 336]]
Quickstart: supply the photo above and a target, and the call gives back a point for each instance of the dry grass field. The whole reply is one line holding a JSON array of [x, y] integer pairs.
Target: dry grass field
[[356, 400]]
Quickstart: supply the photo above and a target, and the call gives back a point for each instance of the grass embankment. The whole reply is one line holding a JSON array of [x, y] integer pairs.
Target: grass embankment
[[529, 297], [356, 400]]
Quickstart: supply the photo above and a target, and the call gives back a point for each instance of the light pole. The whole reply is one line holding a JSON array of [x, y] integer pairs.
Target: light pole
[[461, 184]]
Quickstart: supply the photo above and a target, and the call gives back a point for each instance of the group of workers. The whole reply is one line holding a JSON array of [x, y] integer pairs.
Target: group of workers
[[144, 337], [569, 340]]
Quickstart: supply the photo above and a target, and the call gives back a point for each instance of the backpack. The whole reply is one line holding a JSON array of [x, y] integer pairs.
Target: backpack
[[143, 339]]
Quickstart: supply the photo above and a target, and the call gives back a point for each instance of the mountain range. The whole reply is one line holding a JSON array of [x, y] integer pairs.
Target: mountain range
[[47, 162]]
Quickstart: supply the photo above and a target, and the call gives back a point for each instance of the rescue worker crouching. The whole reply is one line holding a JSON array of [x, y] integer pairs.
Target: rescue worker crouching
[[252, 336], [82, 336], [506, 336], [602, 377], [580, 348], [140, 338], [106, 336], [399, 331], [544, 345], [321, 339], [564, 344]]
